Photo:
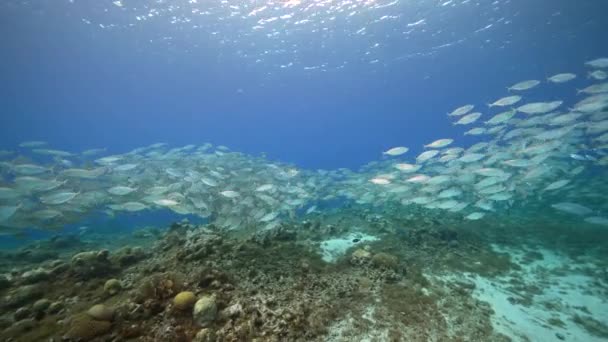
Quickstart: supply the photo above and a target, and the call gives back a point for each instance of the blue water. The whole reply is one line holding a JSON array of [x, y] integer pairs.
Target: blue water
[[81, 86]]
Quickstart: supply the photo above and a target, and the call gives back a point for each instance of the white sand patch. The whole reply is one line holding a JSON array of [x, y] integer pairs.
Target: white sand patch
[[558, 290], [333, 249]]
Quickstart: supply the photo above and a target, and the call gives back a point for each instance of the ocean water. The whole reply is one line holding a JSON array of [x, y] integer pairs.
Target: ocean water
[[380, 170]]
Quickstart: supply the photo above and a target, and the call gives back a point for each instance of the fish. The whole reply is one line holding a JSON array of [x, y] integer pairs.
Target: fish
[[505, 101], [8, 193], [475, 216], [572, 208], [599, 63], [424, 156], [468, 119], [50, 152], [557, 184], [476, 131], [396, 151], [524, 85], [461, 110], [539, 107], [34, 143], [407, 167], [501, 117], [29, 169], [598, 88], [121, 190], [7, 211], [561, 78], [598, 75], [165, 202], [418, 179], [380, 181], [125, 167], [230, 194], [439, 143], [58, 198], [599, 220]]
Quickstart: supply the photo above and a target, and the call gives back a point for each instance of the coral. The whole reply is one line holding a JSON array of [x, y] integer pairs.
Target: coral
[[35, 276], [360, 256], [86, 328], [385, 260], [205, 310], [91, 264], [128, 256], [41, 305], [184, 300], [101, 312], [4, 282], [112, 287], [23, 295]]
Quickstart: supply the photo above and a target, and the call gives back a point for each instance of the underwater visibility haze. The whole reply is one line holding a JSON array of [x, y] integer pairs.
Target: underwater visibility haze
[[304, 170]]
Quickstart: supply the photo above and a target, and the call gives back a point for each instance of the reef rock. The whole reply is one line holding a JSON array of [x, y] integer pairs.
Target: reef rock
[[91, 264], [112, 287], [205, 310], [360, 257], [85, 328], [35, 276], [101, 312]]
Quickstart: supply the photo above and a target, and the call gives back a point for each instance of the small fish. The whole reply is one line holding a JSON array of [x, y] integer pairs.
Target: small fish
[[121, 190], [407, 167], [461, 110], [598, 75], [475, 216], [166, 202], [35, 143], [501, 118], [424, 156], [524, 85], [561, 78], [539, 107], [396, 151], [469, 118], [439, 143], [380, 181], [557, 184], [506, 101], [572, 208], [599, 63], [230, 194], [58, 198]]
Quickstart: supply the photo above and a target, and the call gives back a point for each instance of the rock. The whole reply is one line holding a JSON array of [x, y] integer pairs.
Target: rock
[[101, 312], [85, 328], [233, 311], [41, 305], [360, 256], [35, 276], [91, 264], [21, 313], [204, 335], [23, 295], [55, 307], [205, 310], [184, 300], [4, 282], [127, 255], [112, 287], [385, 260]]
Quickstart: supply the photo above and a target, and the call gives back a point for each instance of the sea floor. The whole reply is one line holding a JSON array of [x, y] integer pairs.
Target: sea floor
[[346, 276]]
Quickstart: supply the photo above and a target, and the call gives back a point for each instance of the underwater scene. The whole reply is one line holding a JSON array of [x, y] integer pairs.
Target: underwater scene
[[304, 170]]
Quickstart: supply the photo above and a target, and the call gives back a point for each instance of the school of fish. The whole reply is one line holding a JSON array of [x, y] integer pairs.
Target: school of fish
[[542, 155]]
